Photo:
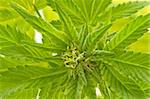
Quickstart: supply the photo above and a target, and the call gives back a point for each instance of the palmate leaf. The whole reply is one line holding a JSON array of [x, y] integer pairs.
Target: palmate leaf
[[12, 43], [127, 71], [31, 79], [130, 33], [44, 27], [11, 35], [127, 9], [9, 16], [134, 63], [71, 8], [82, 11], [71, 89], [89, 7], [122, 10], [24, 78], [11, 38], [15, 51], [129, 88]]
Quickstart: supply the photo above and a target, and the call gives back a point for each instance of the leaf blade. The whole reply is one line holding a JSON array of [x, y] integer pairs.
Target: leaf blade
[[130, 33], [26, 77], [43, 26]]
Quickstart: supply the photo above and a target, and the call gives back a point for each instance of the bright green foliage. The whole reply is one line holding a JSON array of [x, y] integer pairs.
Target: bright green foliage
[[87, 55], [122, 10], [130, 33]]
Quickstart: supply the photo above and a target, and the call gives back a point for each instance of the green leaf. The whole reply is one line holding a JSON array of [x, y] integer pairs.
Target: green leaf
[[82, 35], [125, 72], [130, 33], [125, 86], [9, 62], [89, 90], [10, 35], [15, 51], [71, 8], [127, 9], [69, 26], [92, 8], [81, 11], [74, 89], [123, 10], [22, 78], [93, 39], [44, 47], [58, 37], [97, 7], [11, 40], [132, 64]]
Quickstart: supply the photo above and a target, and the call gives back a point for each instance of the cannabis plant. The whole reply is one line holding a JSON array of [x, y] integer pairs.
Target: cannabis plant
[[78, 54]]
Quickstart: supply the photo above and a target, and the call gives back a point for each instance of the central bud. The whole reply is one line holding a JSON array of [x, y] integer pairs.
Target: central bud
[[72, 57]]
